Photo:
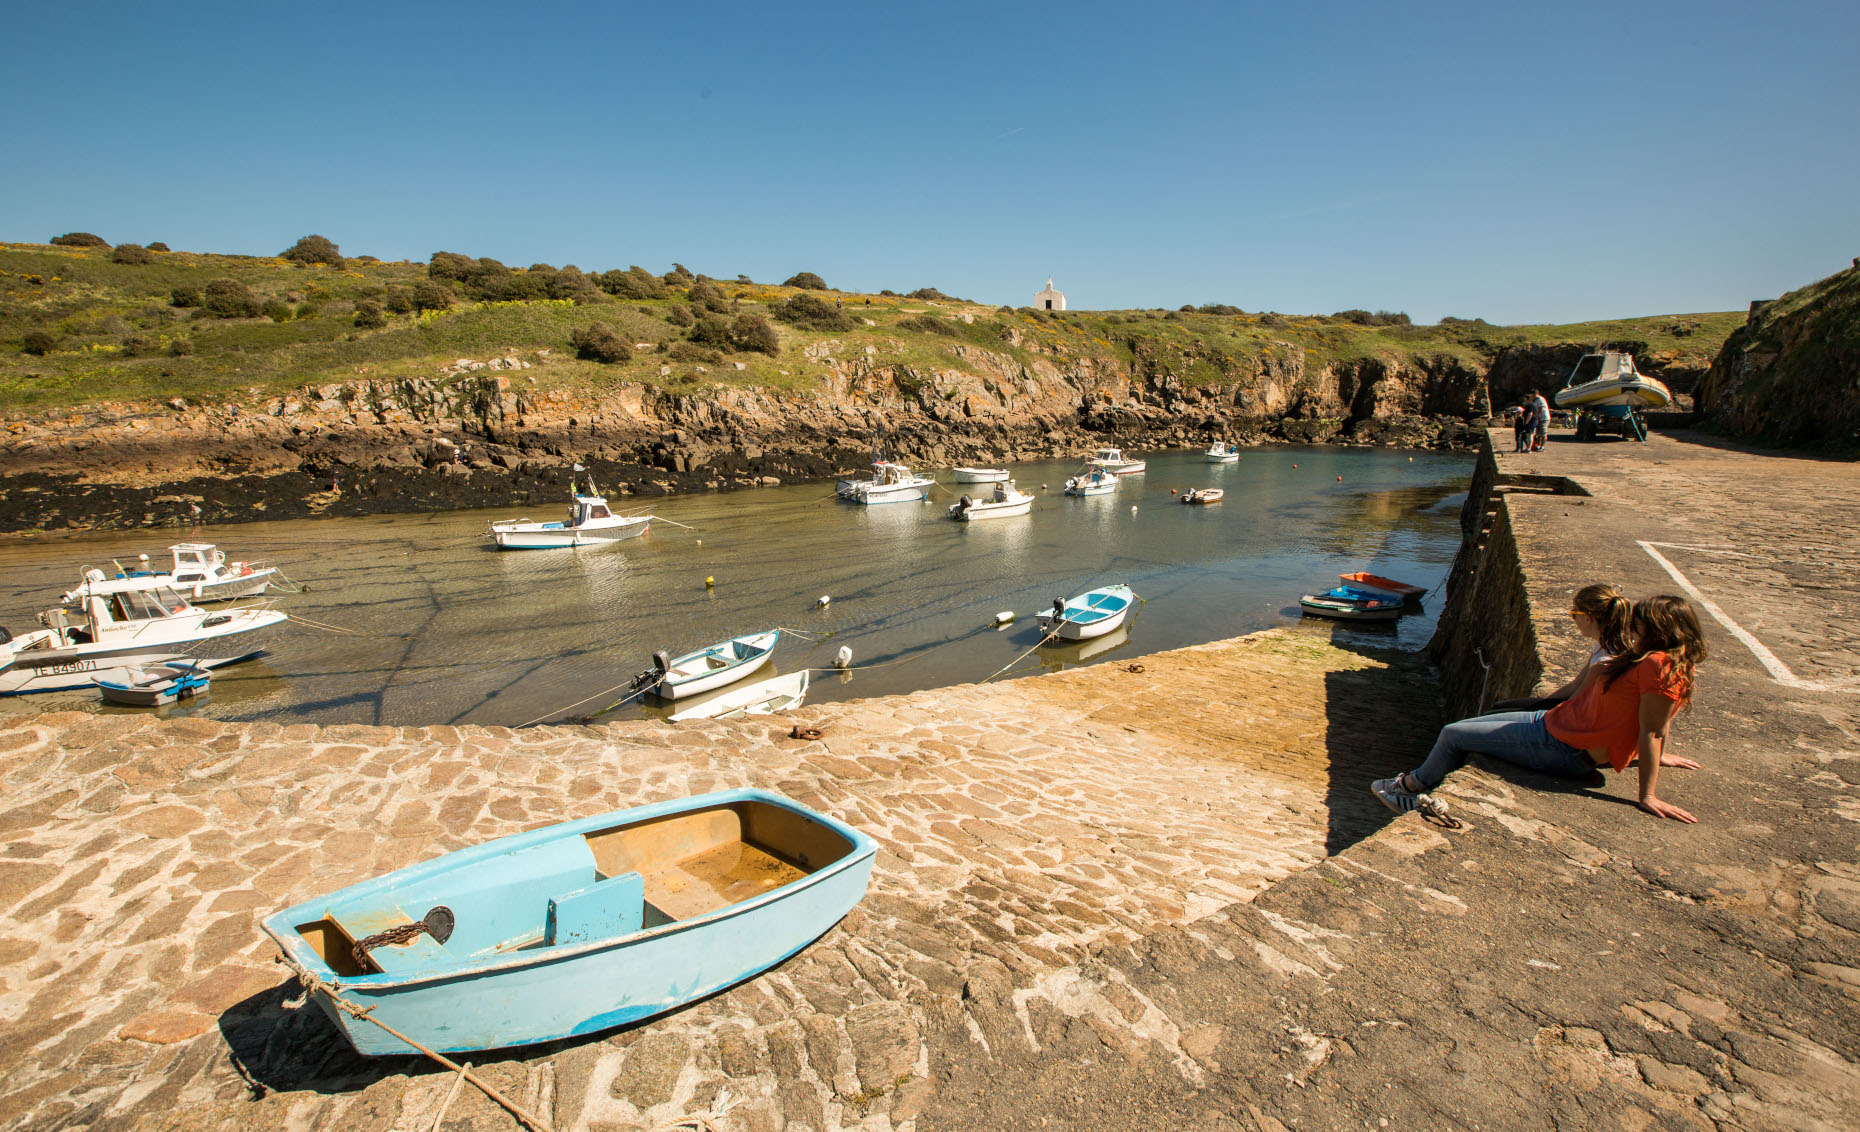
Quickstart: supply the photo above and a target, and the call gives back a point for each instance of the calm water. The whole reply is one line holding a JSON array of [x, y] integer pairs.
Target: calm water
[[440, 628]]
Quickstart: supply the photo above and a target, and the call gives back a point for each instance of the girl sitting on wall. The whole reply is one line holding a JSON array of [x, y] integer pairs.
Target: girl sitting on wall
[[1601, 614], [1621, 715]]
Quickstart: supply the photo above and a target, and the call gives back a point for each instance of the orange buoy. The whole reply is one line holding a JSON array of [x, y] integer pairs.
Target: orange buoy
[[1339, 479]]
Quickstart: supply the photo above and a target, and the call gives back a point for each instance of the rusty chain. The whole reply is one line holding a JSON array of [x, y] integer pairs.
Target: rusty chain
[[402, 933]]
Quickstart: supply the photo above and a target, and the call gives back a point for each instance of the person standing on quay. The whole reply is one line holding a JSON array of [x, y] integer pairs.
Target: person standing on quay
[[1541, 408]]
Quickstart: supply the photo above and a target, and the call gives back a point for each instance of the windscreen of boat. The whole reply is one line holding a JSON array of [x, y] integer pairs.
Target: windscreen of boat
[[1587, 370], [145, 605]]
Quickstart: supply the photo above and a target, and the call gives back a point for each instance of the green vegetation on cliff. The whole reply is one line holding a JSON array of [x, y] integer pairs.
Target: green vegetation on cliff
[[80, 325], [1791, 374]]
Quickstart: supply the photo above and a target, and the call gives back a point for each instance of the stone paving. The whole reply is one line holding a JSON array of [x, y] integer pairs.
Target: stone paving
[[1025, 826]]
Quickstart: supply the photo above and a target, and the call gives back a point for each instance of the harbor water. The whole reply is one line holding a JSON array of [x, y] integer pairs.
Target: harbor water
[[417, 619]]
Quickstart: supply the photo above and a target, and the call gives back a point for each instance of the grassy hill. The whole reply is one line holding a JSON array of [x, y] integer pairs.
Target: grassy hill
[[113, 331]]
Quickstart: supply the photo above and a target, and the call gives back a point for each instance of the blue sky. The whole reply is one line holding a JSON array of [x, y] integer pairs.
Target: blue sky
[[1521, 163]]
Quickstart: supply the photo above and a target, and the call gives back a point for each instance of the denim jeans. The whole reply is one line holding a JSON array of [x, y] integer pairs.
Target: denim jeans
[[1516, 737]]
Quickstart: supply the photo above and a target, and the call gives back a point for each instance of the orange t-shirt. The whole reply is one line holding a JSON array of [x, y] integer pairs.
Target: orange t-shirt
[[1609, 719]]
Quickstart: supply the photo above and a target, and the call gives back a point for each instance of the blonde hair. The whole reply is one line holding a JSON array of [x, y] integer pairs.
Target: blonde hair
[[1610, 610]]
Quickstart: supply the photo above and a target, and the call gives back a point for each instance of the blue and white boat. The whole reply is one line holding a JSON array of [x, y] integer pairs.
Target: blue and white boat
[[1092, 481], [1353, 603], [709, 668], [1221, 452], [579, 927], [158, 684], [1089, 615]]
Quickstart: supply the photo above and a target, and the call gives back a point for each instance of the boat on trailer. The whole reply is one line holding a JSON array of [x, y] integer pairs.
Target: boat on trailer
[[764, 697], [1222, 452], [590, 522], [712, 667], [579, 927], [1115, 462], [1004, 501], [200, 571], [1609, 378], [890, 483], [1090, 614]]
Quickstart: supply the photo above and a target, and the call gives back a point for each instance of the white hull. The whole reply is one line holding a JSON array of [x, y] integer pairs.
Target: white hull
[[980, 475], [58, 670], [1223, 457], [718, 679], [1069, 631], [717, 666], [155, 686], [1639, 392], [885, 493], [539, 536], [232, 589], [764, 697], [1122, 467]]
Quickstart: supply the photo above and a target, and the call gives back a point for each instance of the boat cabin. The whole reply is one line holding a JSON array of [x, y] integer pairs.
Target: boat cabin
[[886, 472], [1610, 365], [197, 561], [109, 606], [586, 509], [574, 888], [1109, 456]]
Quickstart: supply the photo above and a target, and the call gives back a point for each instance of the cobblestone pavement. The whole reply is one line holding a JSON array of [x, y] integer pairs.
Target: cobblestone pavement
[[1024, 826]]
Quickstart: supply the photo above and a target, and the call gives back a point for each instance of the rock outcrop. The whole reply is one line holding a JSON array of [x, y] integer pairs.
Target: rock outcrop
[[1791, 375]]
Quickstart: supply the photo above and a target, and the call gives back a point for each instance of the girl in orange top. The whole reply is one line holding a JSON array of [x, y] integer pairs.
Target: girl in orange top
[[1621, 715]]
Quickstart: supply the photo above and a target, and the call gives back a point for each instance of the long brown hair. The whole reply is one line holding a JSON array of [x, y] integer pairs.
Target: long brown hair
[[1610, 610], [1663, 623]]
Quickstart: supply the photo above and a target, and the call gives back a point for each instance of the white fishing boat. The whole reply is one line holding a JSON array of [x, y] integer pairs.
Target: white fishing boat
[[1221, 452], [890, 483], [1092, 481], [1203, 495], [980, 475], [590, 523], [710, 668], [1115, 462], [1004, 501], [1091, 614], [764, 697], [158, 684], [200, 571], [1609, 378], [119, 625]]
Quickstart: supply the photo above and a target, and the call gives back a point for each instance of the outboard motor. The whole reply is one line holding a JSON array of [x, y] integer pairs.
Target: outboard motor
[[5, 637], [1059, 610], [661, 662]]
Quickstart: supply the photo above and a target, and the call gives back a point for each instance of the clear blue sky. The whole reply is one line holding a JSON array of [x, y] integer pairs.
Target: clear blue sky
[[1521, 163]]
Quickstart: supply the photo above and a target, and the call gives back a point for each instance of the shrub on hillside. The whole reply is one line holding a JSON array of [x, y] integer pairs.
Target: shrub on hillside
[[398, 301], [38, 343], [185, 297], [158, 246], [1220, 308], [808, 281], [931, 293], [1271, 318], [517, 287], [751, 332], [705, 294], [132, 254], [314, 249], [449, 266], [368, 315], [692, 352], [633, 283], [930, 324], [229, 298], [181, 347], [680, 316], [309, 308], [813, 312], [890, 294], [430, 296], [598, 342], [277, 310], [1379, 318], [711, 331], [141, 345], [570, 283], [80, 240], [678, 276]]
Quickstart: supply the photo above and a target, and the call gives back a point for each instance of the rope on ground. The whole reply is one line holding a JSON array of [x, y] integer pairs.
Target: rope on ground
[[1023, 656], [1483, 680], [703, 1121], [344, 631], [1433, 810], [315, 985], [595, 696]]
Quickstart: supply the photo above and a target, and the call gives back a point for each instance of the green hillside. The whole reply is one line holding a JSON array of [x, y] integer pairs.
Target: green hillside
[[78, 326]]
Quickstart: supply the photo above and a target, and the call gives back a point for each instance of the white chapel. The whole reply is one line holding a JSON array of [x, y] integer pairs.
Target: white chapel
[[1049, 299]]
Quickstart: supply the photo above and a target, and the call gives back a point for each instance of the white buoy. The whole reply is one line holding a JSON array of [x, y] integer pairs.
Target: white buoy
[[1133, 508], [824, 601], [843, 658], [1005, 617]]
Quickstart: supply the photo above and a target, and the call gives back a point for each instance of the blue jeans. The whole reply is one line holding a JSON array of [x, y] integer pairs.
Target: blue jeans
[[1517, 737]]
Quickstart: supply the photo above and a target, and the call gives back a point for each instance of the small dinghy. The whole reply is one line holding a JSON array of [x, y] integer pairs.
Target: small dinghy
[[1346, 603], [707, 669], [1115, 462], [157, 685], [764, 697], [980, 475], [1410, 594], [579, 927], [1203, 495], [1006, 500], [1092, 481], [1089, 615], [1221, 452], [200, 572], [589, 523], [1609, 378]]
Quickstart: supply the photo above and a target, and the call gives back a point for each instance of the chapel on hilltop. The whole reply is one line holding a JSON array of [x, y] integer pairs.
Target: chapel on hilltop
[[1049, 299]]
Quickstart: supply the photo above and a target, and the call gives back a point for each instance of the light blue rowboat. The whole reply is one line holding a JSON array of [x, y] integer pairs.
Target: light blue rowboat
[[709, 668], [579, 927], [1091, 614]]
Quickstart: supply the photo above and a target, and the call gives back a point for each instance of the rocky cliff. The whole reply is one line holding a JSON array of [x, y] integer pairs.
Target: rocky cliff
[[1791, 374]]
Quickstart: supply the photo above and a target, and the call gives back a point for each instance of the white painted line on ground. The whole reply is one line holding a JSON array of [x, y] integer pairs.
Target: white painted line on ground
[[1770, 661]]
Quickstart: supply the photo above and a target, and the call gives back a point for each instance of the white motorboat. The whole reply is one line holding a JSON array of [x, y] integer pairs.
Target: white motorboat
[[890, 483], [710, 668], [980, 475], [1115, 462], [1091, 614], [200, 571], [764, 697], [1609, 378], [1092, 481], [158, 684], [1203, 495], [590, 523], [1005, 500], [1221, 452], [119, 625]]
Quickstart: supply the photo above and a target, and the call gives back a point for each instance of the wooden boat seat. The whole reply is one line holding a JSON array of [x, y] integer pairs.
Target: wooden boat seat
[[716, 878], [421, 952]]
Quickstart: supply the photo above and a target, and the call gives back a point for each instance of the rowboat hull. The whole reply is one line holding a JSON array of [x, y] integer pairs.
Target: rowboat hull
[[1204, 496], [1347, 611], [1104, 611], [764, 697], [748, 655], [156, 686], [1408, 593], [986, 510], [533, 991]]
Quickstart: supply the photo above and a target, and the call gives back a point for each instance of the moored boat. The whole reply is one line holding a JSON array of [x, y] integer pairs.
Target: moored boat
[[1408, 593], [1347, 604], [1609, 378], [590, 522], [199, 571], [579, 927], [764, 697], [1222, 452], [710, 668], [1115, 462], [979, 475], [1203, 495], [1090, 614], [890, 483], [1004, 501], [157, 684], [1092, 481]]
